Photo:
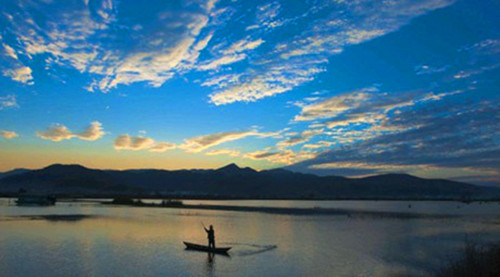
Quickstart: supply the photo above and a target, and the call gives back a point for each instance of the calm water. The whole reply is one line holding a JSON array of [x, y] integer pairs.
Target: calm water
[[126, 241]]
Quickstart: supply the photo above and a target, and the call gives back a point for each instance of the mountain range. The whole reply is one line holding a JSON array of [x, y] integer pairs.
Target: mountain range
[[231, 182]]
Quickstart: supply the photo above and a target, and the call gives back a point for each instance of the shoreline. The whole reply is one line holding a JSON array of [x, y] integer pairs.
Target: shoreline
[[77, 198], [293, 211]]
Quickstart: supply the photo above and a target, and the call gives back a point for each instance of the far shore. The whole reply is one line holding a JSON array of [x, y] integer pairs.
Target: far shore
[[66, 197], [177, 204]]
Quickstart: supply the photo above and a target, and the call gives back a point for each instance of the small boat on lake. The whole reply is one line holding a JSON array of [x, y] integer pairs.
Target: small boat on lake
[[204, 248], [35, 200]]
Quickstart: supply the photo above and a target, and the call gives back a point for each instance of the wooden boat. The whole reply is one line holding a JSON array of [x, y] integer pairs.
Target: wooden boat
[[204, 248]]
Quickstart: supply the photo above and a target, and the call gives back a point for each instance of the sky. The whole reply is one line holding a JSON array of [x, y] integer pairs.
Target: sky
[[350, 88]]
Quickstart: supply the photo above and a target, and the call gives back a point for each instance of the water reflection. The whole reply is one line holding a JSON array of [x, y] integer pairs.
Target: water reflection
[[210, 264], [114, 241], [248, 249]]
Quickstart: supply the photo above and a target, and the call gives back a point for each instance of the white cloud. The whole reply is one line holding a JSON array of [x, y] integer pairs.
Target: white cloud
[[60, 132], [427, 69], [222, 80], [192, 145], [366, 118], [278, 79], [8, 134], [210, 4], [285, 156], [12, 67], [439, 96], [243, 45], [368, 106], [472, 72], [93, 132], [299, 138], [233, 53], [202, 43], [162, 147], [251, 27], [464, 129], [334, 106], [232, 153], [56, 133], [268, 11], [379, 167], [359, 115], [485, 47], [293, 63], [224, 60], [170, 42], [20, 74], [126, 142], [320, 144], [9, 51], [200, 143], [135, 143], [82, 37], [8, 101], [266, 16]]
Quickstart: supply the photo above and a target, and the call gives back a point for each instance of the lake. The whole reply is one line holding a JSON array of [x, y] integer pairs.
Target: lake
[[91, 239]]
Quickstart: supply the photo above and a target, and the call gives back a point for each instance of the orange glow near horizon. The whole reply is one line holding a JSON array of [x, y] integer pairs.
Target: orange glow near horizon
[[110, 159]]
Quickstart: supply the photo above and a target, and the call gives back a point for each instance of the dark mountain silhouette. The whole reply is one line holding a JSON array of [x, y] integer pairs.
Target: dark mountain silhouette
[[13, 172], [61, 178], [232, 181], [233, 169]]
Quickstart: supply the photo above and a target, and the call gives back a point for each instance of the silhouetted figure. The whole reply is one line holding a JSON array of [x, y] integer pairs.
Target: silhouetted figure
[[211, 236]]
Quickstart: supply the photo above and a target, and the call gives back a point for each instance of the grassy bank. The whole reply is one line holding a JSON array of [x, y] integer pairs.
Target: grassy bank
[[475, 260]]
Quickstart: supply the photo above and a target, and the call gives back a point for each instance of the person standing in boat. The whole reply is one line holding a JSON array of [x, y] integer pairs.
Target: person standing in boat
[[211, 236]]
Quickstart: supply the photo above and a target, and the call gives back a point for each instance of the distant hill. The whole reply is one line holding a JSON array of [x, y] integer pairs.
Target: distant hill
[[13, 172], [232, 181]]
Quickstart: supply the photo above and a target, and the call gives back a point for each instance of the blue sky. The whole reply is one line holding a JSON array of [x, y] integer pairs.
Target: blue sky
[[331, 87]]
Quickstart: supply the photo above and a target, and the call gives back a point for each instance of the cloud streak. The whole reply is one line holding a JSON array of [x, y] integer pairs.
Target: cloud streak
[[299, 138], [170, 43], [83, 37], [228, 152], [162, 147], [464, 139], [293, 63], [201, 143], [136, 143], [369, 107], [277, 156]]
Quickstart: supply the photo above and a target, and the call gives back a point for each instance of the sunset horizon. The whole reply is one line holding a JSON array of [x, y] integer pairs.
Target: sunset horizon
[[332, 88], [249, 138]]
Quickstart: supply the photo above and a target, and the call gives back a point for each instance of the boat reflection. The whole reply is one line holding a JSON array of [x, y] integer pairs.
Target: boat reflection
[[210, 262]]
